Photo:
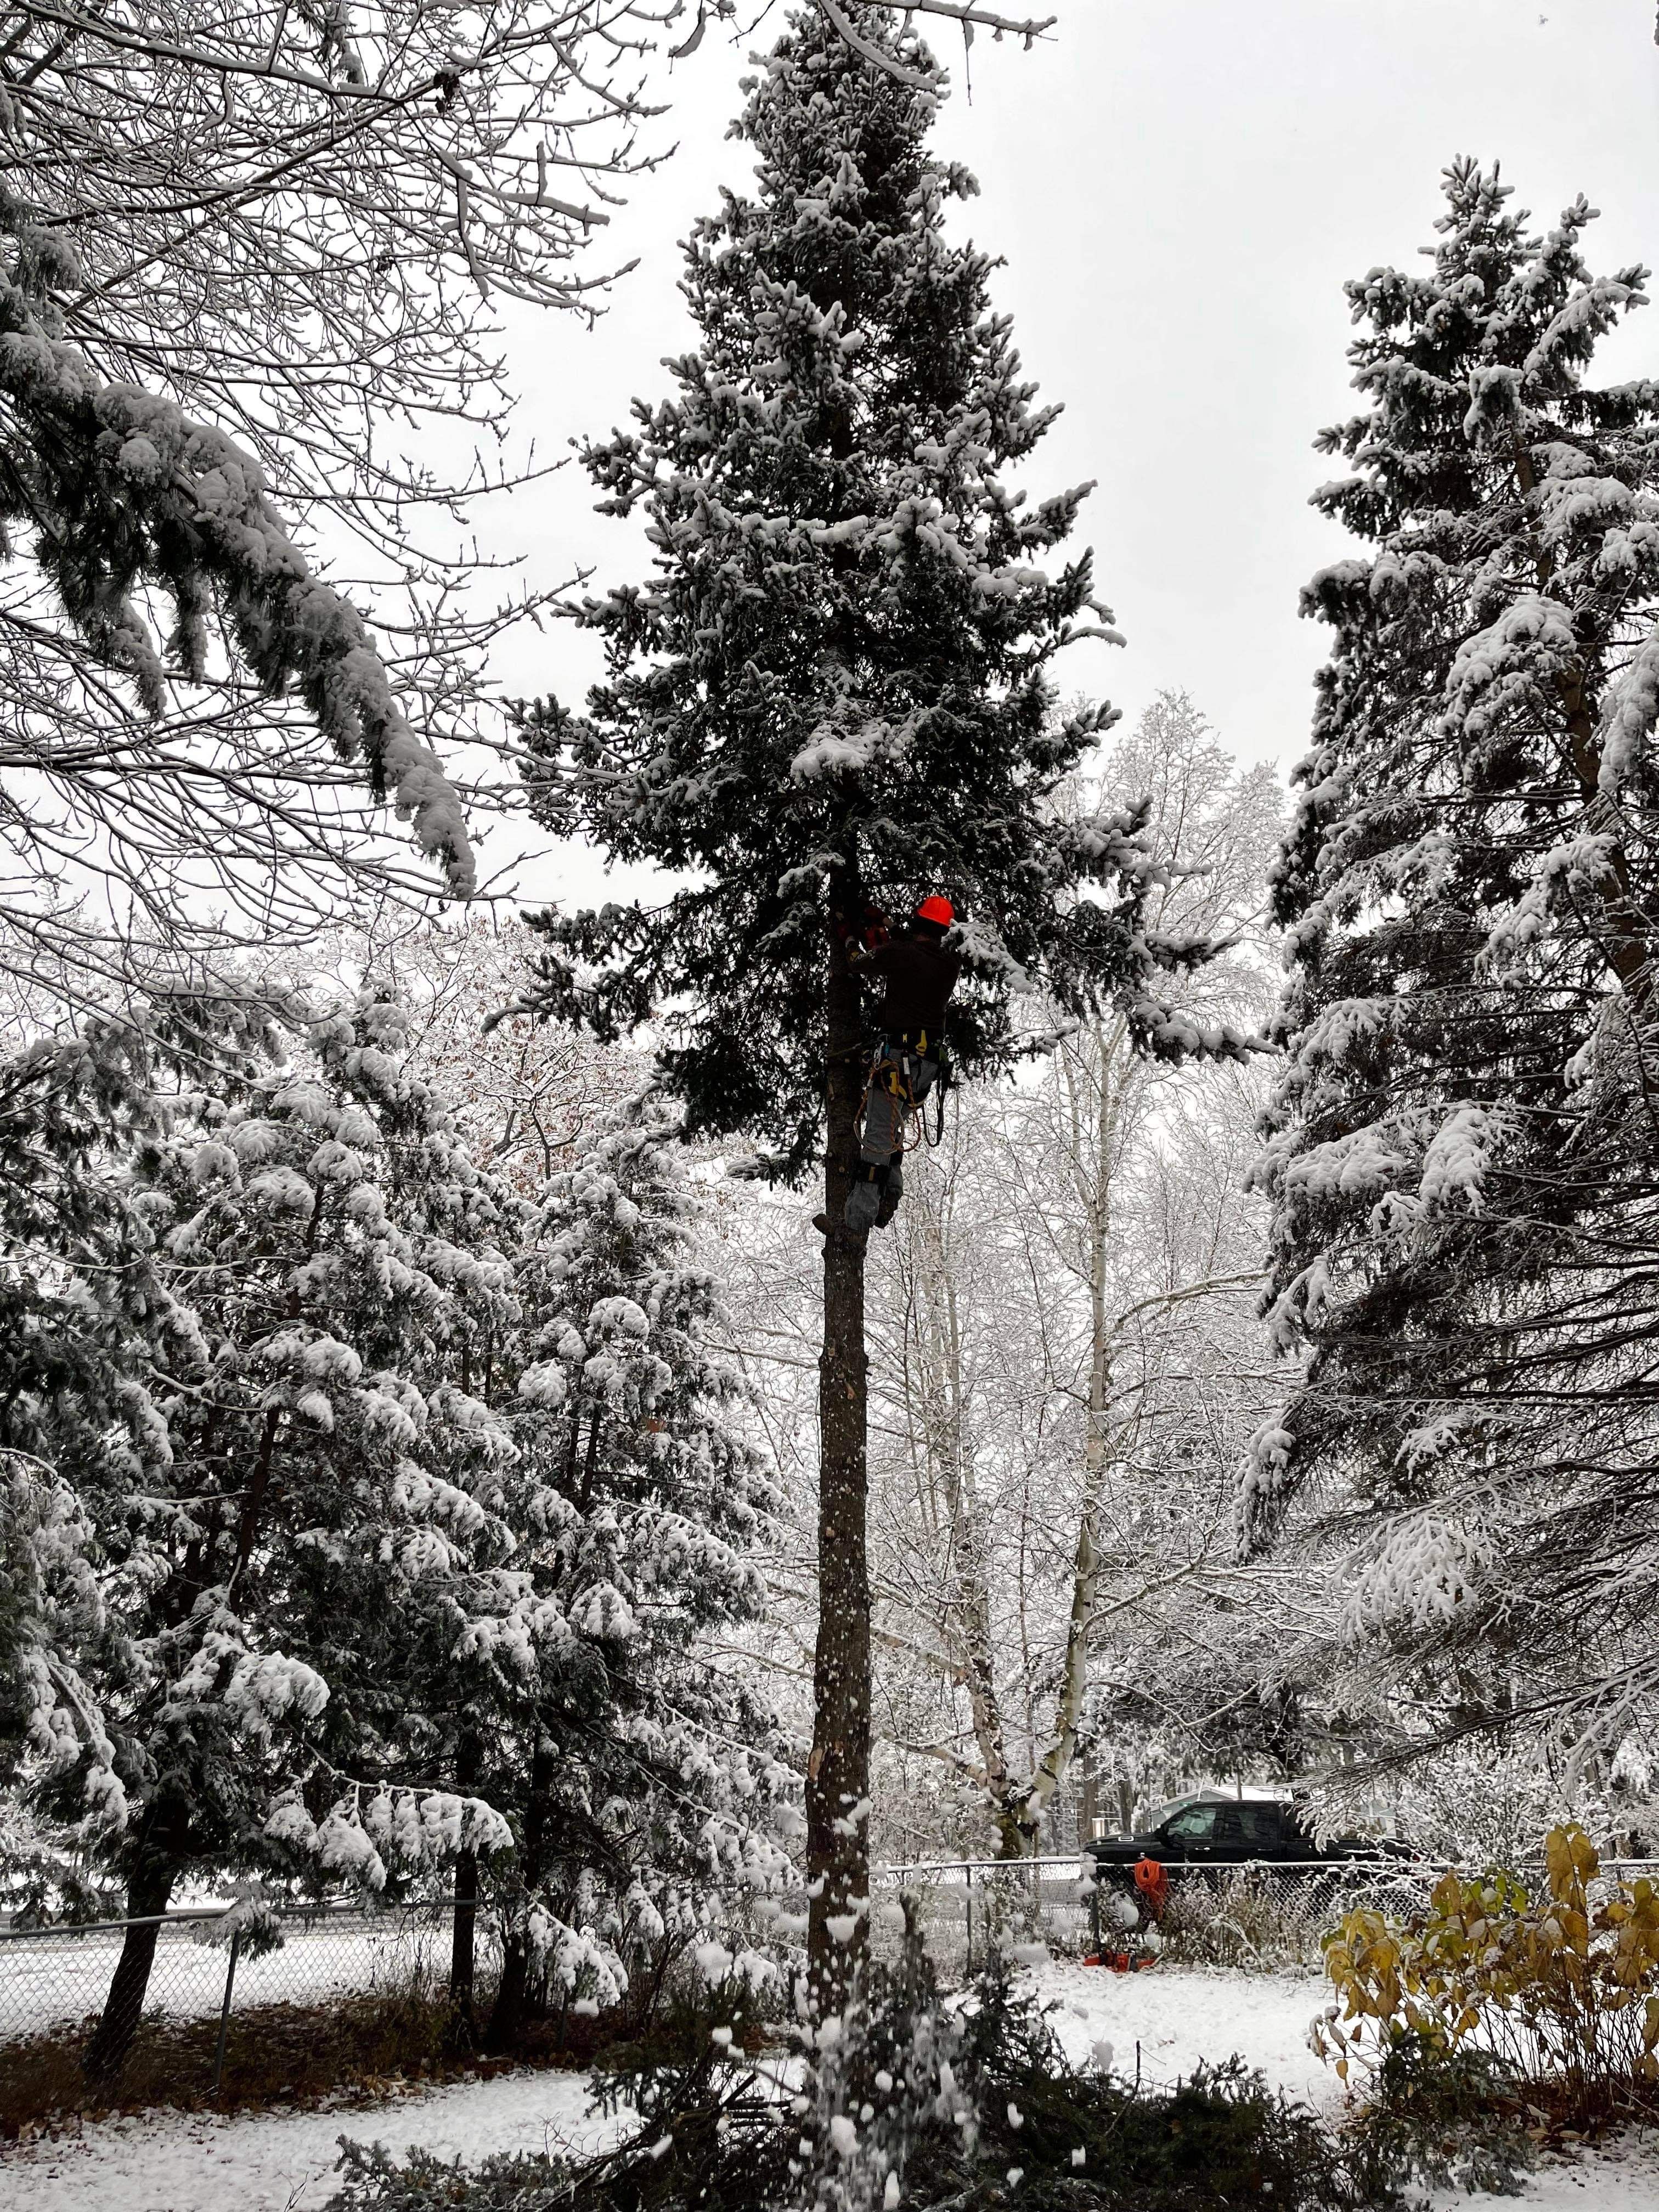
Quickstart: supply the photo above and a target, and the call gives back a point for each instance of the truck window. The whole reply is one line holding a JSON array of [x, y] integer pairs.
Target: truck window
[[1298, 1840], [1195, 1826]]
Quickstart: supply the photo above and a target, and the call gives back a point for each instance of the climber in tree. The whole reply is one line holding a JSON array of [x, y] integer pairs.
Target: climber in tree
[[919, 975]]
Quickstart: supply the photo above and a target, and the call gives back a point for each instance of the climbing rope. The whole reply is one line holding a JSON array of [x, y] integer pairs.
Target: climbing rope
[[885, 1068]]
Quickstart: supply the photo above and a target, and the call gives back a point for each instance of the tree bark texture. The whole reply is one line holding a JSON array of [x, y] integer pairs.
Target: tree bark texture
[[838, 1771], [462, 1949], [512, 2007], [155, 1869]]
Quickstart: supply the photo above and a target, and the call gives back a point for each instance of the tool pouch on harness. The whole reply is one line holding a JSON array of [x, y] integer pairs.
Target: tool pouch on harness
[[902, 1072]]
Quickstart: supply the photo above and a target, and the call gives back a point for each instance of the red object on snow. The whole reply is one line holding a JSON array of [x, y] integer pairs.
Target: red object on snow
[[1152, 1881], [1119, 1962]]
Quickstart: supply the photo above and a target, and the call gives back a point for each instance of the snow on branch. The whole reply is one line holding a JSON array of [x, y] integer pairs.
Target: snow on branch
[[130, 490], [1029, 29]]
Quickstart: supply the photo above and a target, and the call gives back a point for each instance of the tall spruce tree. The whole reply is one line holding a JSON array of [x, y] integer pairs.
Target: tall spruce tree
[[834, 689], [1463, 1157]]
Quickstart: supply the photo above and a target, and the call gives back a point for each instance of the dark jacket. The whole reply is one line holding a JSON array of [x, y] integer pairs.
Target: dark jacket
[[919, 975]]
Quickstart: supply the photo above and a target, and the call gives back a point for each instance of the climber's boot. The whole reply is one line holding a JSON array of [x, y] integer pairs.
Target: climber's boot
[[891, 1193], [864, 1199]]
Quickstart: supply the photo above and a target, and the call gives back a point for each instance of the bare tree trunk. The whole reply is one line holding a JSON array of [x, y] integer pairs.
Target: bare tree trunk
[[1051, 1769], [945, 1444], [156, 1865], [463, 1964], [1074, 1675], [838, 1771], [511, 2004]]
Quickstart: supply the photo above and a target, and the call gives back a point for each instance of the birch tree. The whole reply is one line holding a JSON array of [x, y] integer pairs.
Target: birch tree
[[1068, 1351]]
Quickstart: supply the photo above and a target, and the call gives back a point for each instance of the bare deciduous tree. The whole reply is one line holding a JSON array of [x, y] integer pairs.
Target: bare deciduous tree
[[1068, 1349], [265, 245], [273, 242]]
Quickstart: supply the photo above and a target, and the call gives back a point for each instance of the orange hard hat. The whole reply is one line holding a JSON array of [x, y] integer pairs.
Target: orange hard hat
[[937, 909]]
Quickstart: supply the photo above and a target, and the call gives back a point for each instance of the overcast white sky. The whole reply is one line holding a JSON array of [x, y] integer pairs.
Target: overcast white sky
[[1178, 188]]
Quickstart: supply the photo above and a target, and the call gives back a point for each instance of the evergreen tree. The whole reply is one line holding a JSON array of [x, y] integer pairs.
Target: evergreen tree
[[85, 1323], [1462, 1153], [640, 1778], [352, 1502], [835, 690], [316, 1504]]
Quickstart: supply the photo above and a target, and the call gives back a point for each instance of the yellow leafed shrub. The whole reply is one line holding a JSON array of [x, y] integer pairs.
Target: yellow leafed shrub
[[1557, 1984]]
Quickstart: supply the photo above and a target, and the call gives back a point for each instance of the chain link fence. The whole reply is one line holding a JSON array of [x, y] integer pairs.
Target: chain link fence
[[210, 1984], [206, 1984], [1265, 1912], [964, 1908], [58, 1976], [1262, 1913]]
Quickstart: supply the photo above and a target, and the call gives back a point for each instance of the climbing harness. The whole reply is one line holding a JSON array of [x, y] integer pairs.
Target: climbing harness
[[892, 1121], [896, 1069]]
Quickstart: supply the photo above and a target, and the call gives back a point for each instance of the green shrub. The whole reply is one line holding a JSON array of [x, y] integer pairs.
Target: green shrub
[[1450, 2117], [967, 2095]]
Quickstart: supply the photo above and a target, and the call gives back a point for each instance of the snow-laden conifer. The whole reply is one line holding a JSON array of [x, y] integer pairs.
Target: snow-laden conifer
[[361, 1518], [1462, 1153], [834, 687], [316, 1499], [643, 1775], [86, 1323]]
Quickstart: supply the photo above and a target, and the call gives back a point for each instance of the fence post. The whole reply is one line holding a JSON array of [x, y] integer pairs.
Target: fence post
[[224, 2011], [967, 1871]]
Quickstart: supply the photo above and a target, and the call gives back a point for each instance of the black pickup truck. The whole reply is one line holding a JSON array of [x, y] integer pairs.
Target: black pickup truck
[[1223, 1833]]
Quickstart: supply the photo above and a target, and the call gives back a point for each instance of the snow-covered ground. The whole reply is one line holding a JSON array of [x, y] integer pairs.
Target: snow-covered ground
[[1179, 2015], [178, 2162], [199, 2162]]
